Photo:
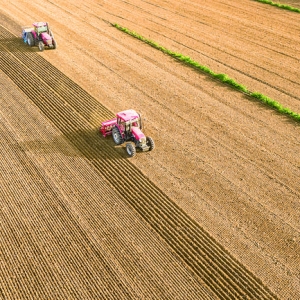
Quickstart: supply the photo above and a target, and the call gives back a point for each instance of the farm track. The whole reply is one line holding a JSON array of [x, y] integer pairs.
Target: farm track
[[69, 107]]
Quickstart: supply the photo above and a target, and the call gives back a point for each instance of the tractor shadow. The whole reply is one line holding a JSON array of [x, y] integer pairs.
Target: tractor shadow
[[89, 144]]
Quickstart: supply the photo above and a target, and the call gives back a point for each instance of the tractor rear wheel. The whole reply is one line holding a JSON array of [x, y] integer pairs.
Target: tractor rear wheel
[[41, 46], [130, 149], [117, 136], [150, 143], [30, 39]]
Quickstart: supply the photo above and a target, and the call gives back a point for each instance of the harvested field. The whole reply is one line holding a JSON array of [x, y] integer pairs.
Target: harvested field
[[212, 213]]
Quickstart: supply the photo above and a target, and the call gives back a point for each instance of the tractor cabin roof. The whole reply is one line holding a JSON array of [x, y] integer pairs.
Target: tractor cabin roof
[[128, 114], [39, 24]]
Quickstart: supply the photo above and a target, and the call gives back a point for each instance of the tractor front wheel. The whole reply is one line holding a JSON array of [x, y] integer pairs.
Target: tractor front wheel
[[41, 46], [150, 143], [117, 136], [30, 39], [130, 149]]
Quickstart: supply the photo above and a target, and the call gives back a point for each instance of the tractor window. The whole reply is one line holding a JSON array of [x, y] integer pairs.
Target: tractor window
[[121, 123], [41, 29], [127, 126], [136, 123]]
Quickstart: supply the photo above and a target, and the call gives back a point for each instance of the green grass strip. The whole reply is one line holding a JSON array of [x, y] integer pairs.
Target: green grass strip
[[221, 77], [276, 105], [283, 6], [185, 59]]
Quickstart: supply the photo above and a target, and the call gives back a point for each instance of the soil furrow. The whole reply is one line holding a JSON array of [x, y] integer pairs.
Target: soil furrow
[[61, 214], [57, 113], [90, 278], [229, 164], [15, 228], [82, 107]]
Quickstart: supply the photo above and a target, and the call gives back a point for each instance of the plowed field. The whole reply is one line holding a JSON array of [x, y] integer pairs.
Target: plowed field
[[212, 213]]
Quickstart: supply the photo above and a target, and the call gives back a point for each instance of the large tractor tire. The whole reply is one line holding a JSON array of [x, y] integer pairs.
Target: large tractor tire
[[130, 149], [117, 137], [41, 46], [30, 39], [150, 143]]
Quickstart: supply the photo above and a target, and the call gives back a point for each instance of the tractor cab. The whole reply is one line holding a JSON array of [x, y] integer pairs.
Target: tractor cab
[[40, 27], [128, 121]]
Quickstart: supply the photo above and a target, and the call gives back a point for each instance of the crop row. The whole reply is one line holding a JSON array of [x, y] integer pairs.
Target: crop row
[[221, 77]]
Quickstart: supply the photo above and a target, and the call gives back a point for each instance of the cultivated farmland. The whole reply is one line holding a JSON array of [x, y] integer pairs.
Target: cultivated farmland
[[212, 213]]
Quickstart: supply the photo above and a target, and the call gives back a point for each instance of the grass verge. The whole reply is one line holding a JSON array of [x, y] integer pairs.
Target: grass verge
[[221, 77], [283, 6]]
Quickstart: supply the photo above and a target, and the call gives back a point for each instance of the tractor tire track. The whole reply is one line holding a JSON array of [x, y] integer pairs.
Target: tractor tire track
[[221, 272]]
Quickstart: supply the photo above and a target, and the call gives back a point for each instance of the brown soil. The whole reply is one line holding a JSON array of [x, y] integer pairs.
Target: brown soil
[[213, 212]]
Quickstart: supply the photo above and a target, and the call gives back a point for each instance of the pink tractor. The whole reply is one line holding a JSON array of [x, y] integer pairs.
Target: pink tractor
[[39, 35], [127, 127]]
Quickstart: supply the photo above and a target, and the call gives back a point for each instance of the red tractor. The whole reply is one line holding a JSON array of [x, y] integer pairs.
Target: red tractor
[[127, 127], [39, 35]]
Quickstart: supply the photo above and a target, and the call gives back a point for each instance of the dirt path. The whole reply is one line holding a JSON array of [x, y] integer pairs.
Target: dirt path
[[231, 164]]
